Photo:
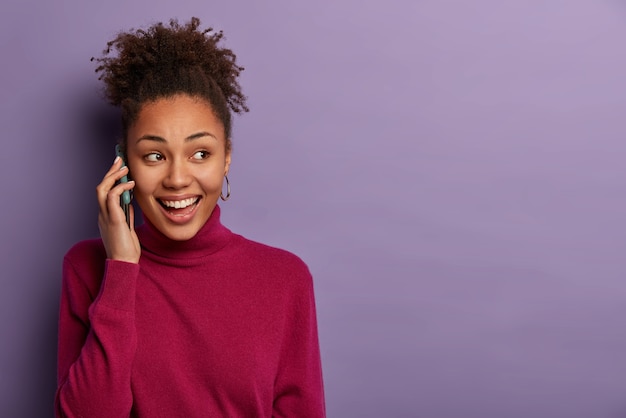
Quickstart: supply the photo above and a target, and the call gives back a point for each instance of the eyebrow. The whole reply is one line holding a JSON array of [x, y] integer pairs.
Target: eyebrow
[[189, 138]]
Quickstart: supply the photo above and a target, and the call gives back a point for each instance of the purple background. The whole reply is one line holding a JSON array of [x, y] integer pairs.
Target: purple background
[[451, 171]]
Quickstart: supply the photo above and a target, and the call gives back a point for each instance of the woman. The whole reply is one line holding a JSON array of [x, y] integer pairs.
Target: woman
[[180, 317]]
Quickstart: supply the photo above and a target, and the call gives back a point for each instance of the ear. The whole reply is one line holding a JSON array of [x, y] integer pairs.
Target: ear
[[227, 162]]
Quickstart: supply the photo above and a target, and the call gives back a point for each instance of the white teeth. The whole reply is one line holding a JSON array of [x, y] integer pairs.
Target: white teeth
[[179, 204]]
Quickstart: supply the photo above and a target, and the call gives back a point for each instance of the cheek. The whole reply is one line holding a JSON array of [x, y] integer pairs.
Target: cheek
[[211, 182], [211, 176], [208, 178], [144, 183]]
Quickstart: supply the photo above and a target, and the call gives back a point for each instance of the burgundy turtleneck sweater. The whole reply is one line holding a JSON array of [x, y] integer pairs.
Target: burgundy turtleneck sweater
[[216, 326]]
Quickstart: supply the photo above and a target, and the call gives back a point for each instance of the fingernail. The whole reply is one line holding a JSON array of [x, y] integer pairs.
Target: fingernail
[[117, 157]]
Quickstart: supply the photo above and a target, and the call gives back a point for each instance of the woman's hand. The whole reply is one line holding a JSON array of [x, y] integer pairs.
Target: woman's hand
[[120, 241]]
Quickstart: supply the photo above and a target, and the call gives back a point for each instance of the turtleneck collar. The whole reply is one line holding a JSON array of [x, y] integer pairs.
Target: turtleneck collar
[[212, 237]]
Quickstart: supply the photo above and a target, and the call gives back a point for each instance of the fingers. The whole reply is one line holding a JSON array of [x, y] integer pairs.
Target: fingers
[[132, 218], [113, 207], [108, 193], [115, 173], [117, 164], [120, 242]]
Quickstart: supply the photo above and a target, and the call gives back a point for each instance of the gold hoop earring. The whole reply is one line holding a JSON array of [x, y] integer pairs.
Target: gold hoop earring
[[227, 190]]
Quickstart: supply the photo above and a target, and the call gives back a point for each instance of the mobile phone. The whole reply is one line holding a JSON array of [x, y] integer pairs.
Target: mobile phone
[[125, 197]]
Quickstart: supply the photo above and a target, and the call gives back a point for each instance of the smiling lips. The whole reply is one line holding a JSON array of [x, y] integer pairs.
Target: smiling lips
[[179, 204], [180, 208]]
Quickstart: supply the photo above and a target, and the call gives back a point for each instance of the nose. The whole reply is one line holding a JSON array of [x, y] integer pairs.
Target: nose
[[177, 176]]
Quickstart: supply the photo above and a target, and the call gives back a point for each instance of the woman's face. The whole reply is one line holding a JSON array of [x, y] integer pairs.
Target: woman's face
[[176, 152]]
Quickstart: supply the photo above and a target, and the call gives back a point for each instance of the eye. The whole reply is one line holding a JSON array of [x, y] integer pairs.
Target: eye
[[200, 155], [154, 157]]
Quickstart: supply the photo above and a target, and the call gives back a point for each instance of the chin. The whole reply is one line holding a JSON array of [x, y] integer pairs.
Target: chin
[[179, 233]]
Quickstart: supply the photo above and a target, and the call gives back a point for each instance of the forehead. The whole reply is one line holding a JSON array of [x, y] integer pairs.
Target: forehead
[[176, 117]]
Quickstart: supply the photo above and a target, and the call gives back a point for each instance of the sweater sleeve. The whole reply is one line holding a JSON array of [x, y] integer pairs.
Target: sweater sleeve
[[97, 339], [299, 390]]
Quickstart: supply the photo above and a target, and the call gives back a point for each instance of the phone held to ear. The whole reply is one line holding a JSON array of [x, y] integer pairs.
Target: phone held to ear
[[125, 198]]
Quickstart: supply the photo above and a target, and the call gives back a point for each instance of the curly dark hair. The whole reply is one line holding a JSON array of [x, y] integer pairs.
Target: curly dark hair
[[162, 61]]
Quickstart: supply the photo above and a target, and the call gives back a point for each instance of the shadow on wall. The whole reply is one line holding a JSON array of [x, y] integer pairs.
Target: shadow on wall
[[89, 129], [39, 381], [100, 128]]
